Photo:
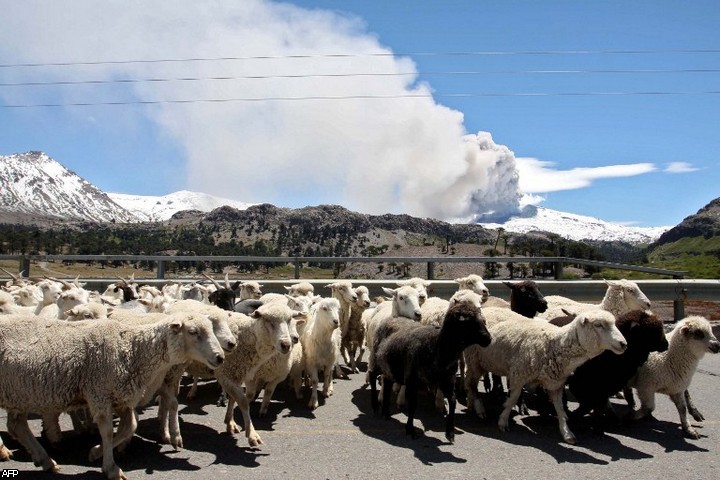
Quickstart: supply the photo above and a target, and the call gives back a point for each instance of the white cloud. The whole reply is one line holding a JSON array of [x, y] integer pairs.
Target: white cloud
[[680, 167], [401, 155], [539, 176]]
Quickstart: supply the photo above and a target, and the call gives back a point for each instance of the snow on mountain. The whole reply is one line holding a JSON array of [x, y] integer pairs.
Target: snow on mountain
[[33, 183], [154, 209], [576, 227]]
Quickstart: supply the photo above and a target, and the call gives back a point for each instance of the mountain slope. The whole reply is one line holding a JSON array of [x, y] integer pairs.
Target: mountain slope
[[159, 208], [32, 183], [576, 227]]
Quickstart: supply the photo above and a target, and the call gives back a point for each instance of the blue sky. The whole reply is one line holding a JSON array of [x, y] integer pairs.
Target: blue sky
[[589, 127]]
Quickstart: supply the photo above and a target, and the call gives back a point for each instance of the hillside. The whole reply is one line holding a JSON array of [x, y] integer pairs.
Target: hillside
[[693, 245]]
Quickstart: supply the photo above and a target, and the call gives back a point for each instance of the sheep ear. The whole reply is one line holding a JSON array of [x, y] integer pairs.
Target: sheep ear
[[176, 325], [685, 330], [256, 314], [300, 321], [286, 288], [458, 280], [389, 291]]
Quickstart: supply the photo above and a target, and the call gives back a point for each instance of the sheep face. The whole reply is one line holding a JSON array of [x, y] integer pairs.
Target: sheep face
[[642, 328], [301, 289], [596, 329], [527, 297], [200, 342], [418, 284], [633, 297], [222, 331], [406, 302], [343, 290], [275, 319], [327, 312], [475, 283], [468, 324], [250, 290], [363, 297], [699, 336], [89, 311], [467, 296]]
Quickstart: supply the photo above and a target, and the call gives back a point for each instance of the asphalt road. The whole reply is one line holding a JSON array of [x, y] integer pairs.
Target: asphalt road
[[342, 439]]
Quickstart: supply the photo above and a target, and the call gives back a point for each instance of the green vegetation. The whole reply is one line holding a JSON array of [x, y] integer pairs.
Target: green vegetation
[[700, 256]]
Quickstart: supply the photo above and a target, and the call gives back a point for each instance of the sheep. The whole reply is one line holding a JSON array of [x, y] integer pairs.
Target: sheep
[[276, 370], [527, 300], [106, 365], [419, 284], [475, 283], [671, 372], [320, 352], [621, 296], [259, 336], [301, 289], [595, 381], [405, 303], [87, 311], [417, 354], [354, 337], [434, 309], [248, 290], [536, 352]]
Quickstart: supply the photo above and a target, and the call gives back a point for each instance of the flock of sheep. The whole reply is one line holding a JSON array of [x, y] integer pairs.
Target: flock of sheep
[[100, 356]]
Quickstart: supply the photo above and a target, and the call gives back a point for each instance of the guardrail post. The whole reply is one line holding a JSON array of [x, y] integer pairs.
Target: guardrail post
[[431, 271], [679, 305], [24, 267], [558, 270], [160, 270], [297, 269]]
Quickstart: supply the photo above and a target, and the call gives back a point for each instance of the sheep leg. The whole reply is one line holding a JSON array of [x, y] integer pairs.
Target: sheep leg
[[387, 395], [18, 428], [236, 393], [327, 383], [125, 430], [193, 389], [411, 392], [448, 392], [314, 381], [679, 401], [401, 399], [372, 379], [361, 354], [629, 398], [474, 403], [503, 420], [647, 404], [103, 419], [556, 398], [51, 428], [169, 417], [5, 454], [352, 351], [267, 396], [697, 416]]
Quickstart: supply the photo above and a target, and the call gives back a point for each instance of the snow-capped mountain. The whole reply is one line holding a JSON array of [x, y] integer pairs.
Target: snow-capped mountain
[[576, 227], [34, 184], [153, 209]]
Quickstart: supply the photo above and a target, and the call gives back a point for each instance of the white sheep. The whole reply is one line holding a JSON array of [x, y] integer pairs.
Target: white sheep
[[670, 372], [301, 289], [107, 365], [419, 284], [87, 311], [475, 283], [260, 335], [354, 337], [248, 290], [531, 352], [320, 351], [620, 297]]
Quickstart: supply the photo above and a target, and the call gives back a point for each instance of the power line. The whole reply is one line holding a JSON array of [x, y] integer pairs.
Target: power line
[[360, 97], [375, 54], [358, 74]]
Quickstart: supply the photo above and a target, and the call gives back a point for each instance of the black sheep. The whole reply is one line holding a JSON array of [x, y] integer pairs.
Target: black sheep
[[414, 354], [595, 381]]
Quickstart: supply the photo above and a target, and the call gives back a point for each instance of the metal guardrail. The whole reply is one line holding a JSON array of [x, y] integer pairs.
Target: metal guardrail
[[25, 262]]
